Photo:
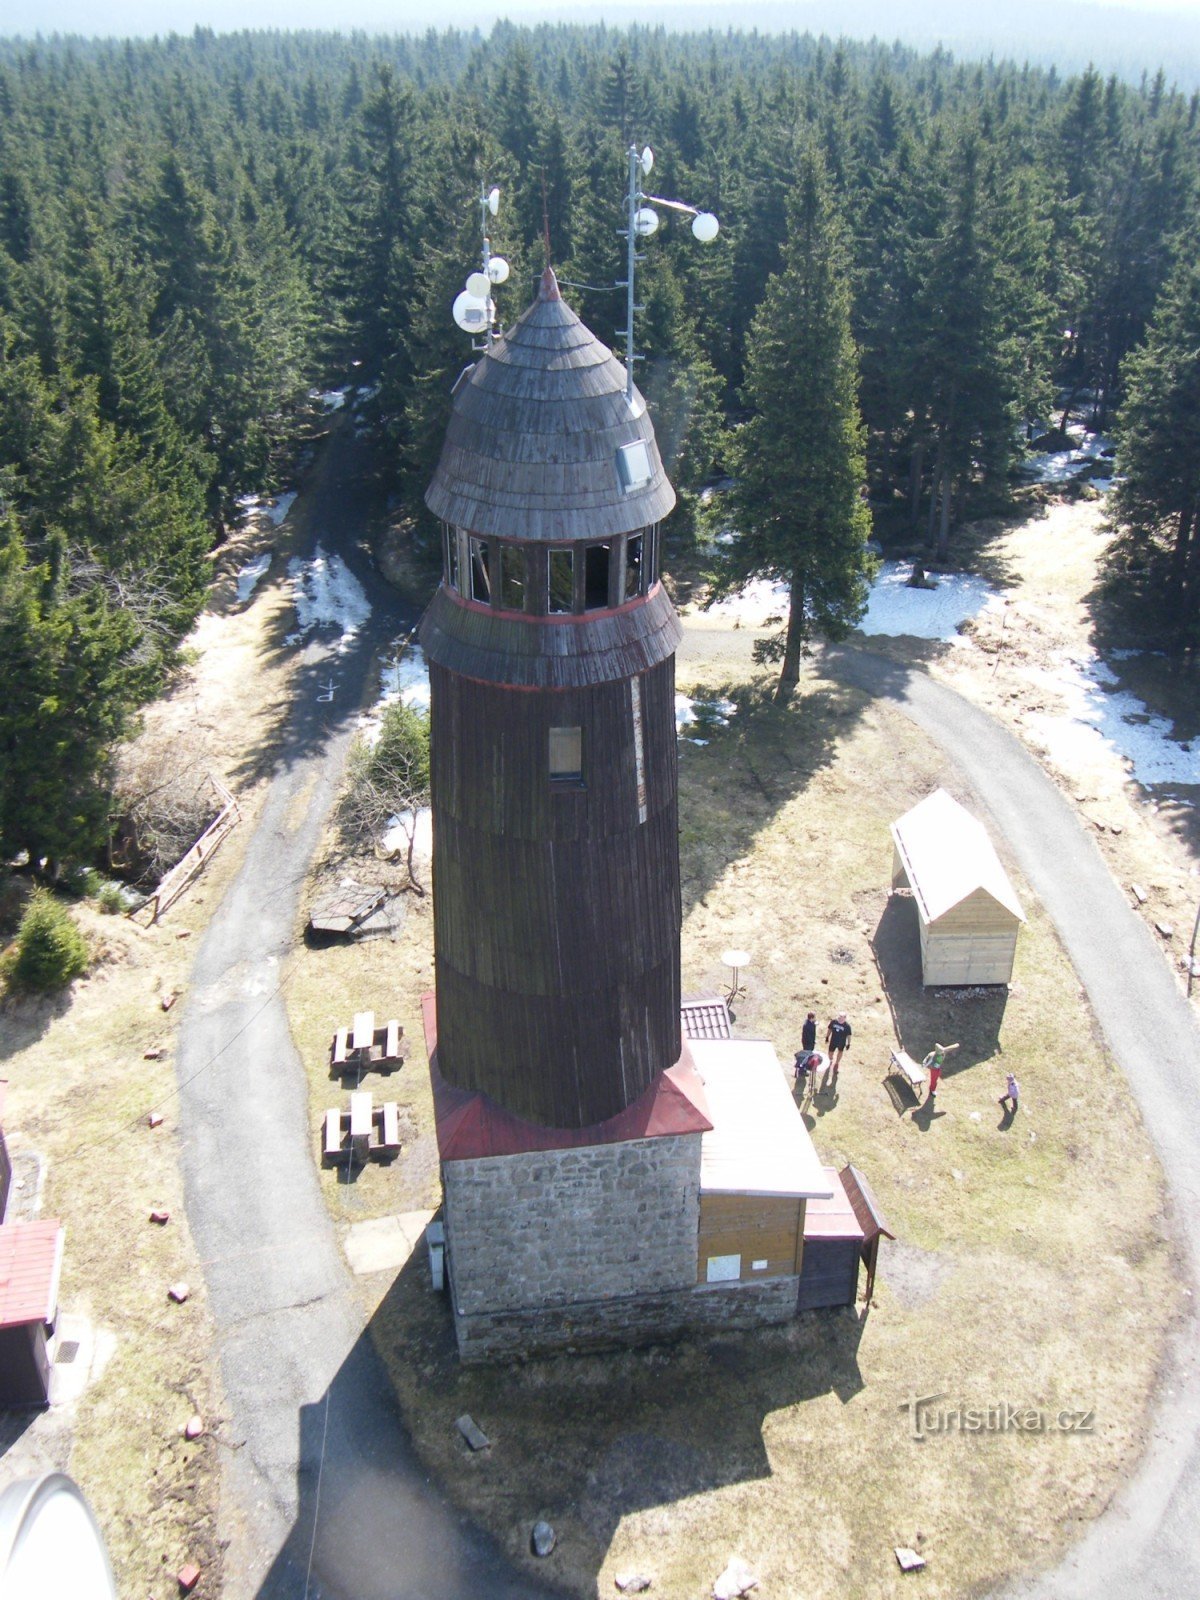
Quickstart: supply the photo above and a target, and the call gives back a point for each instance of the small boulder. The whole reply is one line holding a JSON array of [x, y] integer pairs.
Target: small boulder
[[543, 1538], [193, 1427], [188, 1577], [178, 1292], [632, 1582], [161, 1217], [736, 1580]]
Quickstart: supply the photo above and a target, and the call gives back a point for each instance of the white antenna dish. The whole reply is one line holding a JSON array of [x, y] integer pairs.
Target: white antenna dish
[[706, 227], [646, 221], [478, 287], [647, 160], [497, 269], [494, 201], [471, 312]]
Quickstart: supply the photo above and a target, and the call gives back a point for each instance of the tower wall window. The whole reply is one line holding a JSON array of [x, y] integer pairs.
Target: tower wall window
[[562, 581], [634, 548], [450, 554], [566, 755], [597, 563], [513, 577], [481, 578]]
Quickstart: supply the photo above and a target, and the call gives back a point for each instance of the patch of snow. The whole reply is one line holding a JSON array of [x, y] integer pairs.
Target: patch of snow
[[1099, 715], [1060, 466], [759, 599], [367, 392], [280, 506], [326, 594], [399, 828], [406, 678], [292, 638], [893, 608], [704, 715], [249, 575], [331, 399]]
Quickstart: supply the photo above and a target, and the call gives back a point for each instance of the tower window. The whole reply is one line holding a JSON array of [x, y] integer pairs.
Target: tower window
[[596, 577], [633, 465], [453, 577], [481, 578], [512, 577], [562, 581], [633, 566], [566, 755]]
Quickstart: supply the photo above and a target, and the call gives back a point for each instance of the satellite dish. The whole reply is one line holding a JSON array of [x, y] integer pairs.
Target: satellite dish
[[647, 160], [498, 269], [494, 201], [646, 221], [471, 312], [705, 227], [478, 286]]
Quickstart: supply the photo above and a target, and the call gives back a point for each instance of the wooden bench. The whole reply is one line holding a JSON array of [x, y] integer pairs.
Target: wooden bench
[[911, 1071], [341, 1047], [391, 1043], [332, 1149], [391, 1126]]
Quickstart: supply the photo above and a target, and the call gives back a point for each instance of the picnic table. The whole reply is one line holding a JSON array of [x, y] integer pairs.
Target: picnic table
[[363, 1131], [361, 1044]]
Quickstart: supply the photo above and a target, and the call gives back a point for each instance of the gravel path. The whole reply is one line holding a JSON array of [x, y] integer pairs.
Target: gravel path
[[1146, 1543], [325, 1497]]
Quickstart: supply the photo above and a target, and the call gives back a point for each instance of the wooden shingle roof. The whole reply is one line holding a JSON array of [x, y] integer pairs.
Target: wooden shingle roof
[[531, 449]]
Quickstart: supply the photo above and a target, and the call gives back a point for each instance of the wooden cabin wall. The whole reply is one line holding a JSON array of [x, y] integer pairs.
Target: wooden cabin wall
[[756, 1227], [830, 1276], [962, 958]]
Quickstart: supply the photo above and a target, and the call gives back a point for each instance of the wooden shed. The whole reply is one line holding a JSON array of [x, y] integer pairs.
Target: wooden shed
[[758, 1168], [30, 1266], [968, 911], [839, 1233]]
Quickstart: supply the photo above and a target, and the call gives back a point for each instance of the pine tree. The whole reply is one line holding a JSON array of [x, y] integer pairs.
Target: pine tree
[[1156, 503], [800, 460]]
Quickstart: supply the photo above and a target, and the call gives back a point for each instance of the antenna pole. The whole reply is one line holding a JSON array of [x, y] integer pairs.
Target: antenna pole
[[485, 254], [632, 200]]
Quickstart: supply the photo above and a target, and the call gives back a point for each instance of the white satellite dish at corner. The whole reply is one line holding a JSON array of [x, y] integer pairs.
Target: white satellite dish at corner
[[478, 286], [498, 269], [494, 201], [646, 221], [647, 160], [705, 227], [471, 312]]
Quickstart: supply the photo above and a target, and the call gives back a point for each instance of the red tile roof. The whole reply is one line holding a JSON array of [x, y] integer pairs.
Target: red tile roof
[[470, 1124], [30, 1263]]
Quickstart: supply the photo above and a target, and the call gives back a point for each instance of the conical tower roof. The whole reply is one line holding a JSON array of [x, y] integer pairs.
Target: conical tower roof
[[536, 435]]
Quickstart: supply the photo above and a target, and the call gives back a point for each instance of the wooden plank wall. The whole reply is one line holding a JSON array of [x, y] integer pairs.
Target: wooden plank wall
[[830, 1276], [756, 1227]]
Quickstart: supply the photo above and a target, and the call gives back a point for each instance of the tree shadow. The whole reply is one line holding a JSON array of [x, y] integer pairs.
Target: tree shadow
[[28, 1017]]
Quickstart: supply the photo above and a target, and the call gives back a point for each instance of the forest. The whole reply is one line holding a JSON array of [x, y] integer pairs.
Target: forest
[[196, 232]]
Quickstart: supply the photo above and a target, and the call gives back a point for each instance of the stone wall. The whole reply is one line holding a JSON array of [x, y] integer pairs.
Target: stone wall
[[633, 1320], [558, 1228]]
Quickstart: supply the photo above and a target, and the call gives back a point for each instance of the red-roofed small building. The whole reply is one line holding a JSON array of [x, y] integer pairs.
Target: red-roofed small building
[[31, 1256]]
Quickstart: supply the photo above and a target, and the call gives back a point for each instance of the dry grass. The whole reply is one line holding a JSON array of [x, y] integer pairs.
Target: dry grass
[[1033, 1265]]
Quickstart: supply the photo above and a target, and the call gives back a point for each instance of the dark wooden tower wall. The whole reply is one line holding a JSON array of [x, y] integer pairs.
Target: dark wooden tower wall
[[551, 647]]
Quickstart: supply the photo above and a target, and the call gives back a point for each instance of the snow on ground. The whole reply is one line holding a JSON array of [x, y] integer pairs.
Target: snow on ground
[[406, 678], [1100, 716], [249, 575], [331, 399], [1060, 466], [262, 505], [702, 716], [894, 608], [282, 505], [399, 828], [327, 594], [757, 601]]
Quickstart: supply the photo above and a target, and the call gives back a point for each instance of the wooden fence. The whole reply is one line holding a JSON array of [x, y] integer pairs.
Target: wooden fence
[[190, 864]]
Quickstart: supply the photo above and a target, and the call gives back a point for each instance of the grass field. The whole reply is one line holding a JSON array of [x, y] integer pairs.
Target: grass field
[[1032, 1266]]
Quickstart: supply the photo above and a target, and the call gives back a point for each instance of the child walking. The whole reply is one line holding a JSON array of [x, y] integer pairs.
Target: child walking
[[1011, 1095]]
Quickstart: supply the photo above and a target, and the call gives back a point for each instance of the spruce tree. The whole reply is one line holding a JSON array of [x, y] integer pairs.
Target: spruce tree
[[800, 460]]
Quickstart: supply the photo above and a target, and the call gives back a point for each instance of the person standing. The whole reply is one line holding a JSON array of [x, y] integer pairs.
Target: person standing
[[808, 1033], [837, 1037], [1011, 1095], [933, 1065]]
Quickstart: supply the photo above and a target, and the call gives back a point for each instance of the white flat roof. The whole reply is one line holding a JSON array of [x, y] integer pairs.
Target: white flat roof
[[759, 1144]]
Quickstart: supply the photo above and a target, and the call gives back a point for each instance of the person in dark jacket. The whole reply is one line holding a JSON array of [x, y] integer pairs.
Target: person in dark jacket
[[837, 1037], [808, 1033]]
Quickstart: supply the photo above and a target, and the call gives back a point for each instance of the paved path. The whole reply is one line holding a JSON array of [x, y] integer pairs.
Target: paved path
[[1147, 1543], [324, 1443]]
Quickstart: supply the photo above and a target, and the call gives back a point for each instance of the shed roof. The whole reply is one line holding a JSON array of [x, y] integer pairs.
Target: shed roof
[[531, 451], [758, 1144], [947, 856], [30, 1265], [850, 1212]]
